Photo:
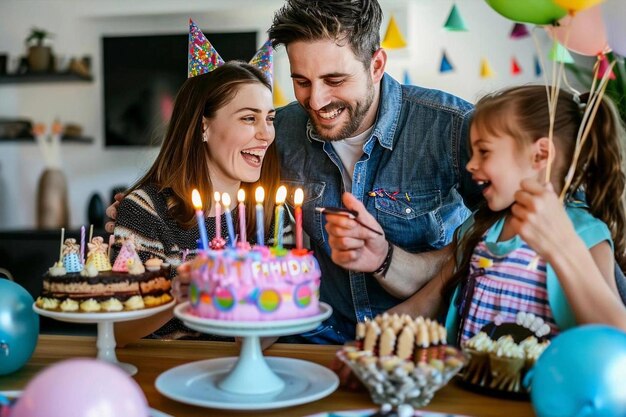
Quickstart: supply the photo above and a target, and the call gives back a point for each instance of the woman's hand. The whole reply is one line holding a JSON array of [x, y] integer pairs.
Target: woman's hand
[[539, 217], [180, 283], [111, 212], [353, 246]]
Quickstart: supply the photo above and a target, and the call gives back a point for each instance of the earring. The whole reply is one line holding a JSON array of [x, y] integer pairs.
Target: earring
[[205, 135]]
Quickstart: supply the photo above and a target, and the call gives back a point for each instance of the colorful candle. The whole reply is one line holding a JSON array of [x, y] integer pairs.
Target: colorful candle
[[281, 194], [111, 243], [259, 195], [229, 219], [197, 203], [298, 198], [218, 214], [82, 244], [241, 197], [61, 248]]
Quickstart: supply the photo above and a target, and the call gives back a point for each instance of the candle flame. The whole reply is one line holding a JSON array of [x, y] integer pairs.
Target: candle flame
[[226, 200], [281, 194], [196, 200], [259, 194], [298, 197], [217, 196], [241, 195]]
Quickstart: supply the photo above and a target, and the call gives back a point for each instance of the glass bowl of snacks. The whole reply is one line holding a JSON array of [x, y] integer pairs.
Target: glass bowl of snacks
[[402, 361]]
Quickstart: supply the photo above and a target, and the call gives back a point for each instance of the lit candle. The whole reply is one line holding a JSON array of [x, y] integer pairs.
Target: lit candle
[[218, 214], [298, 198], [259, 195], [281, 194], [241, 197], [197, 203], [82, 244], [229, 219]]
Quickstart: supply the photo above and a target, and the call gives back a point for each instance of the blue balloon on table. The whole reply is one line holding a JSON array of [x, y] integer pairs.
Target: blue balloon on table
[[581, 373], [19, 326]]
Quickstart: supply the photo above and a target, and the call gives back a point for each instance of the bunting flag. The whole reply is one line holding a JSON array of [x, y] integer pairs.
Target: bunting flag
[[485, 69], [538, 71], [604, 66], [519, 31], [455, 22], [445, 65], [515, 68], [393, 37], [407, 78], [278, 96], [559, 53]]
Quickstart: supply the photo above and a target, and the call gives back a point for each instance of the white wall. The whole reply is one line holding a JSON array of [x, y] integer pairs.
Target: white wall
[[79, 24]]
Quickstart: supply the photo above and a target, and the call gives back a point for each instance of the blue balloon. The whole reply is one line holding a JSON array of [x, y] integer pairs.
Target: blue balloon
[[581, 373], [19, 327]]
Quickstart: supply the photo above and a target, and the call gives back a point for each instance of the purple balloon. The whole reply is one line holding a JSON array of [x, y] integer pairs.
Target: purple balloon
[[82, 387], [614, 15]]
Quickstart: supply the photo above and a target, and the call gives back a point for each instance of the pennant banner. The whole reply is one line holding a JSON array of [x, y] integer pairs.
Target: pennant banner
[[485, 69], [455, 21], [445, 65], [393, 37]]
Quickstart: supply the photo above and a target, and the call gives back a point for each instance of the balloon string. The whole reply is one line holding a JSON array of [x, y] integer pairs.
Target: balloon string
[[585, 126]]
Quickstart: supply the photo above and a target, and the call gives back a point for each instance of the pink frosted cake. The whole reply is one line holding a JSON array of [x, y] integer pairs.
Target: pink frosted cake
[[254, 285]]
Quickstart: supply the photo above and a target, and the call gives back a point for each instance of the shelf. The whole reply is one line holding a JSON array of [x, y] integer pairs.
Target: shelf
[[64, 139], [43, 77]]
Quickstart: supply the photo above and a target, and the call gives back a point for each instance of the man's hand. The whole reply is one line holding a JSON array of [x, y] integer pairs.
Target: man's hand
[[353, 246], [111, 212]]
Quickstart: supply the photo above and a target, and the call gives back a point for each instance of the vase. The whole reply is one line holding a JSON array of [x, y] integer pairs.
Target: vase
[[52, 202], [39, 58]]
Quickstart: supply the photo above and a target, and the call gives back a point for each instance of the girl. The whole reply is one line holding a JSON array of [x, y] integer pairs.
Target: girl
[[220, 138], [491, 272], [497, 274]]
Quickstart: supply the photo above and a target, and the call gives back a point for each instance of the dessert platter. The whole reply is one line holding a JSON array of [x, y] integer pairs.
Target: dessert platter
[[501, 355], [401, 361], [250, 381], [76, 290], [251, 292]]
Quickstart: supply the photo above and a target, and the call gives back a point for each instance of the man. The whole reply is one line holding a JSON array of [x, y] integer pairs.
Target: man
[[400, 150]]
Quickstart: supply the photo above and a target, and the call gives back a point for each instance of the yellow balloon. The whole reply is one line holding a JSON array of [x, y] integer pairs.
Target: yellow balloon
[[577, 5]]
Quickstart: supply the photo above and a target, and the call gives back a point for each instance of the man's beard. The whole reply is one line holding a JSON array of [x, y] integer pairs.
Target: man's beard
[[356, 116]]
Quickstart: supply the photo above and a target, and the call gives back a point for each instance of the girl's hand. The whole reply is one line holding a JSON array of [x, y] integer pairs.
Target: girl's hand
[[539, 217], [353, 246]]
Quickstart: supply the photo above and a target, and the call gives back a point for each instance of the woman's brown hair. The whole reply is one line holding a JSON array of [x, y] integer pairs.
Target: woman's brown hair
[[522, 113], [183, 161]]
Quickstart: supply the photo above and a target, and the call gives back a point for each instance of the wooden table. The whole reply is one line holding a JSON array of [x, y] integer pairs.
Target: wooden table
[[153, 357]]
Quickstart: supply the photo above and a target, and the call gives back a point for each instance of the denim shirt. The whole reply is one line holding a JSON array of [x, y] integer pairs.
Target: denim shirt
[[411, 178]]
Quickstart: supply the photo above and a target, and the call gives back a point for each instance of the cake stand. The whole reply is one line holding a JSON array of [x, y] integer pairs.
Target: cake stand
[[250, 381], [105, 320]]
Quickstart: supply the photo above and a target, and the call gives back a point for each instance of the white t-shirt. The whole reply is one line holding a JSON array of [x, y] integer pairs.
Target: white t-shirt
[[350, 151]]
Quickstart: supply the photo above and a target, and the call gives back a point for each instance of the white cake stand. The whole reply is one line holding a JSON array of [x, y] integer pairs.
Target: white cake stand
[[250, 381], [105, 320]]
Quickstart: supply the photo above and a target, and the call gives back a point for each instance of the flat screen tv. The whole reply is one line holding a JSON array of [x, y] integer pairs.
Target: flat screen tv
[[142, 75]]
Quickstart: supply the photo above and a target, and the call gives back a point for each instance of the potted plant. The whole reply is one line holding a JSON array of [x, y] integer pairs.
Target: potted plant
[[39, 55]]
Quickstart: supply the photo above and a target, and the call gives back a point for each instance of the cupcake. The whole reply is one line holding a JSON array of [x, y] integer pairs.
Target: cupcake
[[478, 347], [506, 362]]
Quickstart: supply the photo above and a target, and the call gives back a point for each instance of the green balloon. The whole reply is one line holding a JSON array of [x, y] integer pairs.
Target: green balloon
[[539, 12]]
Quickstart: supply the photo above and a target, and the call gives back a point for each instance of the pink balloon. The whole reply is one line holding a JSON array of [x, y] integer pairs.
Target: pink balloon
[[81, 387], [614, 13], [587, 34]]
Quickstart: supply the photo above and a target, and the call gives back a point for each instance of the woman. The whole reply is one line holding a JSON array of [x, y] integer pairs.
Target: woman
[[220, 138]]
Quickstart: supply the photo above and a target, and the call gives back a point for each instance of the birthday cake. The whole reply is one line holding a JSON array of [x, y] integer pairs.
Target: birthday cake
[[74, 285], [258, 284]]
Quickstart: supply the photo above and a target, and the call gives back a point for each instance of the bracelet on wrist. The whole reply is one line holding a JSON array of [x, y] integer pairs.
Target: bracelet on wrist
[[384, 267]]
